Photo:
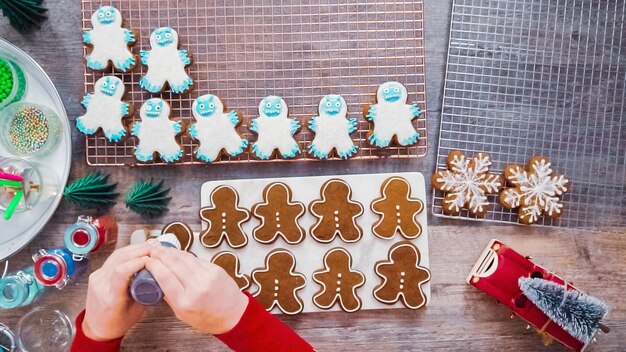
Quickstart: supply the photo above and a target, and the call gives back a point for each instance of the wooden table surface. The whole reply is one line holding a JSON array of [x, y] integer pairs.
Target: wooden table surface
[[459, 317]]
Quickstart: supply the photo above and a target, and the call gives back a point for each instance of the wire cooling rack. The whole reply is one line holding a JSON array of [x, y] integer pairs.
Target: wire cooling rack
[[244, 50], [542, 77]]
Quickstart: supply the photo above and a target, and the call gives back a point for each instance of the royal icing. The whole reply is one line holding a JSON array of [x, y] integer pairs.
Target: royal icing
[[230, 263], [332, 129], [338, 282], [215, 129], [279, 216], [224, 218], [336, 213], [166, 64], [397, 210], [156, 132], [392, 117], [105, 109], [183, 233], [274, 129], [466, 183], [109, 41]]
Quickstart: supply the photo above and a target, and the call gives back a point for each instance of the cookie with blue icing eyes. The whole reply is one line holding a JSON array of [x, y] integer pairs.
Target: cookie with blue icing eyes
[[332, 129], [391, 117], [166, 63], [157, 133], [109, 42], [106, 110], [275, 130]]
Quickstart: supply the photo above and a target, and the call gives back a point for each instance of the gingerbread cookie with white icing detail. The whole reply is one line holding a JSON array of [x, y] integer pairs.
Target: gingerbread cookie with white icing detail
[[397, 210], [338, 281], [230, 263], [279, 283], [183, 233], [279, 215], [224, 218], [402, 276], [336, 213], [109, 42]]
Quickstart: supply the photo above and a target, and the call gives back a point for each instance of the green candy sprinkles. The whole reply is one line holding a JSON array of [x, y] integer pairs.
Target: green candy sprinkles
[[28, 130], [6, 81]]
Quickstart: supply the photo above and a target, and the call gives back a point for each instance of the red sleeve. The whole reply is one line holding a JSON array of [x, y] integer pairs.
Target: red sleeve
[[258, 330], [83, 343]]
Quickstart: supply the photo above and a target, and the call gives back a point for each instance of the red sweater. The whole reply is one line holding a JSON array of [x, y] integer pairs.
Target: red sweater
[[257, 330]]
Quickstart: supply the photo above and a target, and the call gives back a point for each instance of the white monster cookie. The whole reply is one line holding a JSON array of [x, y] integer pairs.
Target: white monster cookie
[[157, 132], [166, 64], [109, 41], [105, 110], [392, 117], [215, 129], [275, 130], [332, 129]]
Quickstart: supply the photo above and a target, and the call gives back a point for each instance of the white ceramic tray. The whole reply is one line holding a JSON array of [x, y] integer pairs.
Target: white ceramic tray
[[23, 227], [309, 253]]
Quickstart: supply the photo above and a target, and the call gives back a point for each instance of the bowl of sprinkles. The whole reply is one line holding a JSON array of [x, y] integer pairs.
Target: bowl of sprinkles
[[28, 129], [12, 83]]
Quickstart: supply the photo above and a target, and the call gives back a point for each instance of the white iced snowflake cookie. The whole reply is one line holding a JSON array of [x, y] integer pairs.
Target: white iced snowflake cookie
[[535, 190], [166, 64], [332, 129], [109, 41], [274, 129], [215, 129], [105, 109], [157, 132], [466, 183], [392, 117]]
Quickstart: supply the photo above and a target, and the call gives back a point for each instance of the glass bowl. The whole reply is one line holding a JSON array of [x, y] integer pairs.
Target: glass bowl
[[28, 129], [19, 82]]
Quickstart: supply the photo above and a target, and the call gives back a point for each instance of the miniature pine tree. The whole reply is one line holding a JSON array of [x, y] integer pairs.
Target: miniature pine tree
[[23, 15], [577, 313], [91, 191], [148, 198]]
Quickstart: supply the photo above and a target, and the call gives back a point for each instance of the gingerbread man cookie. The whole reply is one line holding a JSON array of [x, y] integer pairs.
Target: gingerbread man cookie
[[279, 283], [338, 282], [336, 213], [182, 231], [279, 216], [224, 218], [230, 263], [397, 210], [402, 276]]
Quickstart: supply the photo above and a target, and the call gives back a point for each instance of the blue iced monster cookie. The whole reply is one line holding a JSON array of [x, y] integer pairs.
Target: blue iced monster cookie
[[391, 117], [215, 129], [157, 133], [332, 129], [109, 41], [166, 64], [274, 129]]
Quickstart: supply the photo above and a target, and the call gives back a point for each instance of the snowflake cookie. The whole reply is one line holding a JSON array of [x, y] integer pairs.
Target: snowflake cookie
[[535, 190], [332, 129], [466, 183], [157, 132], [215, 129], [105, 110], [391, 117], [275, 130], [166, 64], [109, 41]]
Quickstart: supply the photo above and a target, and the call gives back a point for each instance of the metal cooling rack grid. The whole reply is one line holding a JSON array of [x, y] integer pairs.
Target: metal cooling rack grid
[[542, 77], [244, 50]]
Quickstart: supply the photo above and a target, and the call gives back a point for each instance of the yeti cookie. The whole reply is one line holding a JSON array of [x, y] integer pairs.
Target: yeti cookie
[[332, 129], [157, 132], [279, 283], [230, 263], [338, 282], [391, 117], [397, 211], [274, 129], [215, 130], [336, 213], [105, 110], [402, 276], [279, 216], [224, 218], [166, 64], [109, 41]]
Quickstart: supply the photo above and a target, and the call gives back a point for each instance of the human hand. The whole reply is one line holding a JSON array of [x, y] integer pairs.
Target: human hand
[[200, 293], [110, 311]]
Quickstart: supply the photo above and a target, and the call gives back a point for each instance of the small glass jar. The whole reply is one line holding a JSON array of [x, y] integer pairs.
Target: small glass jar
[[12, 83], [32, 180], [28, 129], [7, 339], [45, 329], [57, 267], [88, 235], [19, 289]]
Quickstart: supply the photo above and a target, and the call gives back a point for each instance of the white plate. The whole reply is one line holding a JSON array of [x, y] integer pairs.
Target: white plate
[[23, 227]]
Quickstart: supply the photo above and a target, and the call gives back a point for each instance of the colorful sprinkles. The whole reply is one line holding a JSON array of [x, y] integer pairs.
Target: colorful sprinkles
[[29, 130], [6, 80]]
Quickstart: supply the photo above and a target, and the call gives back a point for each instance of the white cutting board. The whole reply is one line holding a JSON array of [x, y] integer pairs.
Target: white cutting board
[[310, 253]]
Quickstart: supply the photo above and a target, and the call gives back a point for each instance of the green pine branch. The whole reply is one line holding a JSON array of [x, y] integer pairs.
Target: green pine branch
[[148, 198], [91, 191]]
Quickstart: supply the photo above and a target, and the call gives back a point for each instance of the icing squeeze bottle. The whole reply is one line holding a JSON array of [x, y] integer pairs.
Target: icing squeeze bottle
[[144, 288]]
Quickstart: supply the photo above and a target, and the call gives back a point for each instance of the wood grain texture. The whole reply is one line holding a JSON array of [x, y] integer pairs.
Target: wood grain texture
[[459, 317]]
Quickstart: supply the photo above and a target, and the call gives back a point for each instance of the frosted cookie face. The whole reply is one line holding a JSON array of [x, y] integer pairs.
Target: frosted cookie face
[[273, 106], [207, 105], [106, 15], [274, 129], [339, 283], [332, 105], [332, 129], [164, 36], [392, 92], [157, 132], [279, 283], [105, 110], [109, 42], [166, 64]]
